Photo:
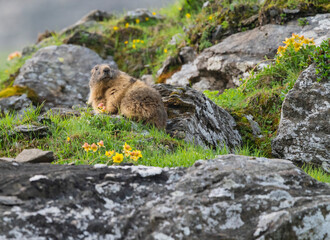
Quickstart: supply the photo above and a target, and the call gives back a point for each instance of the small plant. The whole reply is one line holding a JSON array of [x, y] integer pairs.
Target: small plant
[[225, 25], [321, 58], [303, 22]]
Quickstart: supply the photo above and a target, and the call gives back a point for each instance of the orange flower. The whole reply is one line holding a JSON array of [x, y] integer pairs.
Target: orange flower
[[100, 143], [135, 155], [94, 147], [109, 153], [13, 55], [101, 108], [86, 147]]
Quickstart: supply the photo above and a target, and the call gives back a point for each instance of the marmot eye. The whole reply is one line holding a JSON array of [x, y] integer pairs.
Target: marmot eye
[[96, 68]]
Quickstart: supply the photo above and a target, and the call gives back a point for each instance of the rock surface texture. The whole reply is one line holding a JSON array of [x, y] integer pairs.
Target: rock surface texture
[[59, 75], [15, 103], [195, 118], [221, 66], [304, 131], [231, 197]]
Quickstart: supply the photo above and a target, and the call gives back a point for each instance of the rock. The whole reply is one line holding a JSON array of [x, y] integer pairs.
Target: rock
[[31, 131], [221, 65], [15, 103], [59, 75], [7, 159], [177, 39], [97, 42], [218, 33], [230, 197], [254, 126], [187, 54], [195, 118], [303, 134], [169, 63], [35, 156], [141, 14], [89, 20]]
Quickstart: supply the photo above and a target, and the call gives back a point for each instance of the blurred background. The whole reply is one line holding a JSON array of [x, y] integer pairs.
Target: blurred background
[[22, 20]]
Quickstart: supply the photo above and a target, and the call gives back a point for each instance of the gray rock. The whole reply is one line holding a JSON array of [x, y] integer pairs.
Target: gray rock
[[141, 14], [187, 54], [6, 159], [35, 156], [196, 119], [304, 130], [222, 64], [231, 197], [177, 39], [15, 103], [59, 75], [254, 126], [31, 131], [89, 20]]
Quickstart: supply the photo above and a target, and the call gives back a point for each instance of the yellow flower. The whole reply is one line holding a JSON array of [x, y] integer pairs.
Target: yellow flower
[[295, 36], [142, 41], [109, 153], [165, 50], [126, 42], [154, 13], [281, 49], [210, 17], [134, 41], [133, 46], [288, 41], [118, 158], [297, 46], [147, 19], [14, 55], [188, 15], [138, 40], [127, 153], [126, 25], [127, 147], [68, 139], [311, 41], [137, 21], [180, 8], [86, 147], [115, 28], [94, 147], [135, 155], [100, 143]]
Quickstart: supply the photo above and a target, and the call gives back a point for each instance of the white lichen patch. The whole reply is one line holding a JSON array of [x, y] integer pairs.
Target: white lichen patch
[[271, 221], [221, 192], [161, 236], [233, 216], [37, 178], [147, 171], [314, 226], [100, 166]]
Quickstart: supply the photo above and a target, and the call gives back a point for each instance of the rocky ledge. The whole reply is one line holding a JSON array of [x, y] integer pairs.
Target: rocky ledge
[[231, 197]]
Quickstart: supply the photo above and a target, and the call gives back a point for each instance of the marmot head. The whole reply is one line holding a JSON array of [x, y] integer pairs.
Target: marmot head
[[102, 73]]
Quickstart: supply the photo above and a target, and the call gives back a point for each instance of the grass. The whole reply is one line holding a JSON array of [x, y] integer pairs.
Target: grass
[[115, 132], [317, 173]]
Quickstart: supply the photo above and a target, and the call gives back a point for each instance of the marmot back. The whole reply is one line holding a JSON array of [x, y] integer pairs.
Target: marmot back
[[120, 93]]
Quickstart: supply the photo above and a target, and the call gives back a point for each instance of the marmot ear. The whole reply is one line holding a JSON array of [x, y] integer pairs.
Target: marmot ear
[[96, 67]]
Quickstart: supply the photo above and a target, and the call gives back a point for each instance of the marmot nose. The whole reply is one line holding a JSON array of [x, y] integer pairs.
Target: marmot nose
[[106, 70]]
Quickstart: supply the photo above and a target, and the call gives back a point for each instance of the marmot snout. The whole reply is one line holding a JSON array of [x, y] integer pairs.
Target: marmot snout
[[120, 93]]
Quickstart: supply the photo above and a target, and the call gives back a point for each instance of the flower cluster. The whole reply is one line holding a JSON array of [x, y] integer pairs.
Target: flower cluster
[[296, 41], [116, 157], [14, 55]]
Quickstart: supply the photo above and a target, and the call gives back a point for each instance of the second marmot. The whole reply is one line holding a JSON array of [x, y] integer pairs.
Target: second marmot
[[120, 93]]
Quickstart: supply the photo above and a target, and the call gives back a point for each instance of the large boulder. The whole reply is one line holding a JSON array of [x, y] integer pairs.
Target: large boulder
[[231, 197], [59, 75], [303, 135], [221, 66], [195, 118]]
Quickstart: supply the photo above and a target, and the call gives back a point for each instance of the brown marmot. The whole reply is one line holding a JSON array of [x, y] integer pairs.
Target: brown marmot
[[120, 93]]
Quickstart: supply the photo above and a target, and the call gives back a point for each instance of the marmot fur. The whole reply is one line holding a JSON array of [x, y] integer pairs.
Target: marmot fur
[[120, 93]]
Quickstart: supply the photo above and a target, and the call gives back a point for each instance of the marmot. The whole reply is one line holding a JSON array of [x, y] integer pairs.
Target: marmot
[[120, 93]]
